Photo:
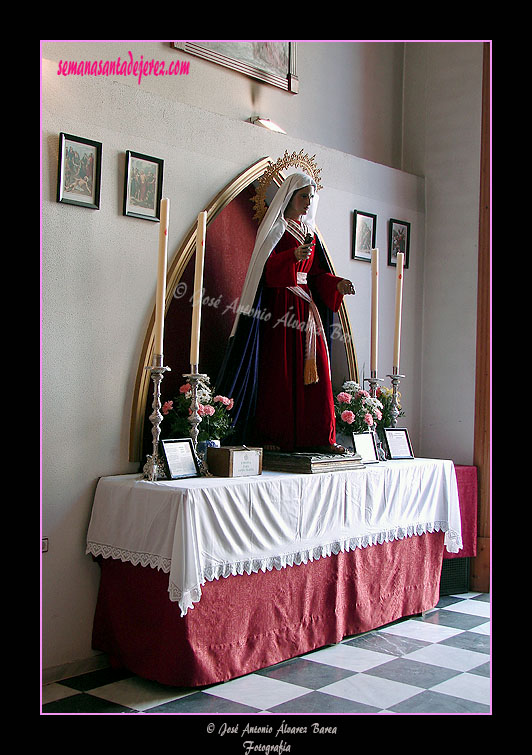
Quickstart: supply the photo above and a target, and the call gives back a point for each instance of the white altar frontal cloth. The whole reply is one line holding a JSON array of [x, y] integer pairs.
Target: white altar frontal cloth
[[200, 529]]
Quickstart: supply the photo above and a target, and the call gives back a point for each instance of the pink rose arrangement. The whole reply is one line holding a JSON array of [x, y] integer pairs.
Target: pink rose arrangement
[[355, 410], [215, 412], [204, 410]]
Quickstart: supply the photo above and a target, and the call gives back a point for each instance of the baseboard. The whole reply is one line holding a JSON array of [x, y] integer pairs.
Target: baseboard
[[74, 668], [480, 566]]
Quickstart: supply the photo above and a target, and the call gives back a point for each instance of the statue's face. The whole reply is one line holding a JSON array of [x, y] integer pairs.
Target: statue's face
[[300, 202]]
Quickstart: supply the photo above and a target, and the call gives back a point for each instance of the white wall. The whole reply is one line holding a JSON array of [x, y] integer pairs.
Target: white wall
[[98, 267], [350, 93], [442, 143]]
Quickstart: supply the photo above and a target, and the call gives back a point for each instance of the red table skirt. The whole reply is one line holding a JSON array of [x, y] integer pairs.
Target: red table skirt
[[244, 623], [466, 479]]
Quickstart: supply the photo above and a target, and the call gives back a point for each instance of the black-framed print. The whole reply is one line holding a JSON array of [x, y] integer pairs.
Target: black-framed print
[[398, 241], [179, 458], [398, 443], [364, 235], [143, 186], [79, 171], [365, 445]]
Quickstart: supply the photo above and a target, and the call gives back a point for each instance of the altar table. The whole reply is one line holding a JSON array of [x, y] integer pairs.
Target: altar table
[[235, 556]]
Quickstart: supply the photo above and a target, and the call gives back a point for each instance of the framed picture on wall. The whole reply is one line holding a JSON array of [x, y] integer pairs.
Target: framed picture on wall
[[79, 171], [271, 62], [364, 235], [398, 241], [143, 186]]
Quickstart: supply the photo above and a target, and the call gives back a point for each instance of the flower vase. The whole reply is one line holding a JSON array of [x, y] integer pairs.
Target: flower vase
[[203, 445]]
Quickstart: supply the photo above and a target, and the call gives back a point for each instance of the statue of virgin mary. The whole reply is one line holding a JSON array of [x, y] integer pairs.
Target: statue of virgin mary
[[277, 365]]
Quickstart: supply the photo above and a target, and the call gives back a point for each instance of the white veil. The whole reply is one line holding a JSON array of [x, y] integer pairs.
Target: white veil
[[269, 234]]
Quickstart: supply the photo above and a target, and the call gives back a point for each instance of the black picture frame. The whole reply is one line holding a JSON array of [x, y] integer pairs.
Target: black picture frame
[[398, 443], [79, 171], [364, 235], [143, 186], [179, 459], [366, 445], [398, 241]]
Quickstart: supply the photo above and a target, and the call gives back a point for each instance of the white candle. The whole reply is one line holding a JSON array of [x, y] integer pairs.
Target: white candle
[[374, 310], [161, 277], [198, 288], [398, 311]]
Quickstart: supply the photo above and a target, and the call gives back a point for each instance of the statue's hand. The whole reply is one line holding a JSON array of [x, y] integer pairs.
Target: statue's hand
[[302, 252], [345, 287]]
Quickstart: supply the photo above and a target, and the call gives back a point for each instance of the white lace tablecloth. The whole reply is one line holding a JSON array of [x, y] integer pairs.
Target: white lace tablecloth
[[201, 529]]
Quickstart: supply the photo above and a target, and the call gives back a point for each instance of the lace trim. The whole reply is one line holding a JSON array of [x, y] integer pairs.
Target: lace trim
[[187, 598], [137, 559]]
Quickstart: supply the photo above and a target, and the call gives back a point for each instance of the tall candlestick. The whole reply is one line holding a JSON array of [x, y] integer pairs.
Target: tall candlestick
[[198, 288], [374, 311], [398, 311], [161, 277]]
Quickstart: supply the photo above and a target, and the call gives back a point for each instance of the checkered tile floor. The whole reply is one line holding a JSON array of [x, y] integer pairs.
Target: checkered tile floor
[[438, 663]]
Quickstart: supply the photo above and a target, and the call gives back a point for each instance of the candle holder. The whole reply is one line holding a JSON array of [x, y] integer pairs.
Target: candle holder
[[196, 381], [396, 379], [153, 469], [373, 381], [373, 384]]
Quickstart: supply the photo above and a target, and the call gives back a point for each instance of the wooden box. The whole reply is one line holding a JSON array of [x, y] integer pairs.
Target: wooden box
[[234, 461]]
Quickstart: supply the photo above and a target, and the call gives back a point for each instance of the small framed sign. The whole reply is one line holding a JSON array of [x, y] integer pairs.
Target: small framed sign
[[364, 444], [179, 458], [398, 442]]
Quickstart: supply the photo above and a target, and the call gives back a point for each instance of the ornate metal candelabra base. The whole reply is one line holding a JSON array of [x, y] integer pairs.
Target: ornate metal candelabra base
[[395, 377], [197, 381], [381, 453], [373, 384], [153, 469]]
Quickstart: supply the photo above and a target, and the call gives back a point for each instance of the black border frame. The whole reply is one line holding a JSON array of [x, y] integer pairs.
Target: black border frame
[[169, 474], [392, 259], [395, 430], [159, 191], [95, 204]]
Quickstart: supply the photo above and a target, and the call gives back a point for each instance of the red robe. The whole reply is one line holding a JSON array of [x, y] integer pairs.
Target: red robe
[[290, 414]]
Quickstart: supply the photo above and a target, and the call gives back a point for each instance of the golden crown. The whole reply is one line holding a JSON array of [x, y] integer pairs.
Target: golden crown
[[273, 173]]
